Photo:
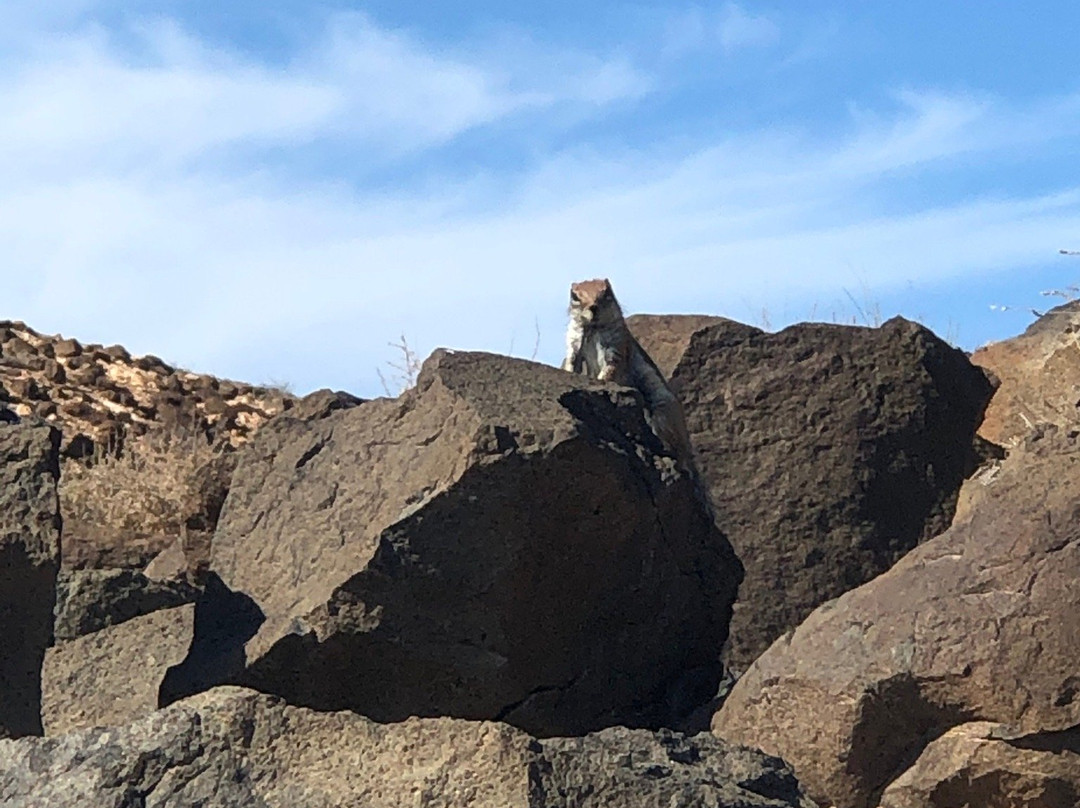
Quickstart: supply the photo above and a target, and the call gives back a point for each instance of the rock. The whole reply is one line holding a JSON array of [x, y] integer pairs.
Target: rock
[[233, 747], [90, 600], [829, 451], [980, 622], [170, 564], [986, 764], [608, 768], [321, 403], [103, 401], [506, 541], [114, 675], [29, 558], [1039, 373], [64, 348]]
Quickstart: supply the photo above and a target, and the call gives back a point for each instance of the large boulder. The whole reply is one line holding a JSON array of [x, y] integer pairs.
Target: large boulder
[[1039, 373], [985, 764], [829, 451], [982, 622], [235, 748], [114, 675], [505, 540], [29, 560]]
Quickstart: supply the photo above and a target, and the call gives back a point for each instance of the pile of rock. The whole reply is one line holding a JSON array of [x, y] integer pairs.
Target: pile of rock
[[145, 446], [506, 569]]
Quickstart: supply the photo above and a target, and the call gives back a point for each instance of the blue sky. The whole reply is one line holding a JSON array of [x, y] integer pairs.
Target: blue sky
[[274, 191]]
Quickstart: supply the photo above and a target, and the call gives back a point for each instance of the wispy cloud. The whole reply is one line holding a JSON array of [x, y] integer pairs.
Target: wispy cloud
[[140, 204]]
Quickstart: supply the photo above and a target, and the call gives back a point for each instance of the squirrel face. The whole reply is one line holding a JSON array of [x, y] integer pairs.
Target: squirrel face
[[594, 302]]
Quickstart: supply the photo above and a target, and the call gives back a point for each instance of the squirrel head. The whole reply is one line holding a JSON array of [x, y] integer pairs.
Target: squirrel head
[[594, 302]]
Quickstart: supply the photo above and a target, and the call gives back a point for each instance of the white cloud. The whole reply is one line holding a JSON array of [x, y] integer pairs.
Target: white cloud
[[118, 222]]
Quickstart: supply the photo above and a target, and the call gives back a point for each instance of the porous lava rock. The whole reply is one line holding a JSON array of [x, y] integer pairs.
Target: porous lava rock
[[506, 540], [29, 559], [980, 623], [232, 747], [114, 675], [90, 600], [829, 451]]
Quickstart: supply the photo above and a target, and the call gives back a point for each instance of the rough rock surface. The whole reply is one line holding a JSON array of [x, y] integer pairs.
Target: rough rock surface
[[980, 623], [233, 748], [29, 559], [1040, 377], [829, 451], [505, 541], [985, 764], [114, 675], [90, 600]]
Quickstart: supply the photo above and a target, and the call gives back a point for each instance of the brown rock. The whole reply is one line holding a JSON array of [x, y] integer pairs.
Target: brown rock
[[117, 353], [985, 764], [114, 675], [829, 451], [29, 558], [505, 540], [982, 621], [1040, 377], [232, 747], [65, 348], [18, 349]]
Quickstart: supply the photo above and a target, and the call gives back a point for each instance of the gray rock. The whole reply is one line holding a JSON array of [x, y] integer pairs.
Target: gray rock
[[116, 674], [29, 559], [90, 600], [233, 748]]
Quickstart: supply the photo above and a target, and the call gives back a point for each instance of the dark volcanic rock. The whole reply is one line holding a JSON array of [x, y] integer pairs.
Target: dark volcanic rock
[[321, 403], [829, 451], [980, 623], [232, 748], [506, 541], [114, 675], [29, 559], [89, 600]]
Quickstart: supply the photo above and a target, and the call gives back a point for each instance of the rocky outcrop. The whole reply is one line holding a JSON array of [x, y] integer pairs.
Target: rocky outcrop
[[1039, 373], [829, 451], [231, 747], [985, 764], [29, 559], [97, 395], [503, 541], [978, 623], [114, 675]]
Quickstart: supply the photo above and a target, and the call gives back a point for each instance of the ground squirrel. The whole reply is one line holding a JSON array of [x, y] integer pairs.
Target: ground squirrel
[[599, 344]]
